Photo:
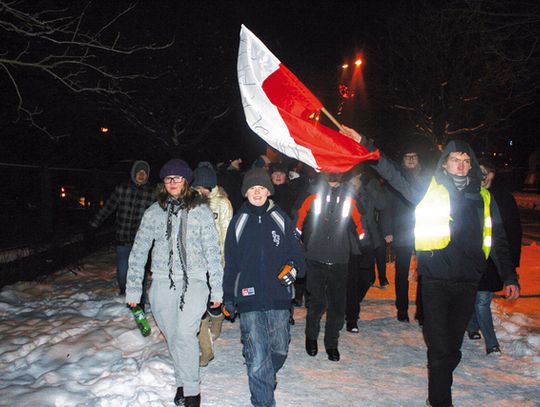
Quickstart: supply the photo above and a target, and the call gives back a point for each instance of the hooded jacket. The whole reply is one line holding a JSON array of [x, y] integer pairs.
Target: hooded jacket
[[255, 252], [330, 223], [463, 259], [129, 201]]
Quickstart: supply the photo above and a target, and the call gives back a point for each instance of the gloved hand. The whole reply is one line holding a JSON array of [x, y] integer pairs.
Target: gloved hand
[[287, 275], [229, 310]]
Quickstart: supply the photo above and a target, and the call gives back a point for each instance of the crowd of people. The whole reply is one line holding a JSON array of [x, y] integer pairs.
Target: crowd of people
[[218, 242]]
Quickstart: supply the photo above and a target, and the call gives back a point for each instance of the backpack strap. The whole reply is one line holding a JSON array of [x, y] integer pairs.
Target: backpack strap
[[242, 219]]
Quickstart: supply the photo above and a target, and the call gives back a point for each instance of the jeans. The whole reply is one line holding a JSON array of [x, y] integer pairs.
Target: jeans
[[327, 287], [266, 337], [448, 306], [122, 259], [482, 319], [403, 263], [361, 275]]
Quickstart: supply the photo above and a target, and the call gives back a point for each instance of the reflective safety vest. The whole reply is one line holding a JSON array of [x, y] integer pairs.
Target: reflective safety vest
[[432, 228]]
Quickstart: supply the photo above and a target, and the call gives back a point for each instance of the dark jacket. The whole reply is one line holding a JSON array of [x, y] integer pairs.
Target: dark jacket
[[371, 199], [129, 201], [253, 263], [398, 219], [463, 259], [329, 232], [491, 281]]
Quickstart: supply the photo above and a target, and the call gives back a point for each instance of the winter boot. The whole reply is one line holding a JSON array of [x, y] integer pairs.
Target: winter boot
[[216, 321], [193, 401], [179, 398], [205, 343]]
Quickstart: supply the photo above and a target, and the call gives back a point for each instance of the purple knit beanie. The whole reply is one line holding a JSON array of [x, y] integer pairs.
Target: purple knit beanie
[[176, 166]]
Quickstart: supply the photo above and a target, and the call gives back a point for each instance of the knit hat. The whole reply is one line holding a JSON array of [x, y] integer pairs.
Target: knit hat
[[204, 176], [176, 166], [257, 176], [260, 162], [278, 167], [137, 166]]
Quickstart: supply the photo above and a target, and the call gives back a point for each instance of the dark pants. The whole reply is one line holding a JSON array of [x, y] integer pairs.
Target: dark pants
[[403, 263], [361, 275], [448, 307], [380, 259], [419, 314], [326, 287]]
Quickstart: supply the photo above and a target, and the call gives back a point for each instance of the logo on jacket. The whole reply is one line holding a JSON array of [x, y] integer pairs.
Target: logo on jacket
[[246, 292], [275, 237]]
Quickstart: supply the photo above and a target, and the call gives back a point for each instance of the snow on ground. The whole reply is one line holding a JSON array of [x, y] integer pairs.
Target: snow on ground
[[70, 341]]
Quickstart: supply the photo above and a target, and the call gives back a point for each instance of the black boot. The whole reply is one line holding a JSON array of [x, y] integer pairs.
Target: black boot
[[333, 354], [193, 401], [179, 398], [311, 347]]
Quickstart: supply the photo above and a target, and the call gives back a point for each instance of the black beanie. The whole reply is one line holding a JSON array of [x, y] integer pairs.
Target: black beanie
[[204, 176], [257, 176]]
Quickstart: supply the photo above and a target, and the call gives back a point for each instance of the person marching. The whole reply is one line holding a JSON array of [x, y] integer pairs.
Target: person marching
[[205, 182], [262, 259], [181, 232], [458, 227]]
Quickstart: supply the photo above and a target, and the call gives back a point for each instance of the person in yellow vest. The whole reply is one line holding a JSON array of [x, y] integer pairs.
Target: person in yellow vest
[[458, 226]]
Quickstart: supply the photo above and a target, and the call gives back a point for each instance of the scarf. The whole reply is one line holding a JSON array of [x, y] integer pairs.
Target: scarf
[[460, 181], [174, 207]]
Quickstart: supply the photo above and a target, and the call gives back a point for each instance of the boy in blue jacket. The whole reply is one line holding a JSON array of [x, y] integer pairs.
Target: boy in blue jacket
[[260, 242]]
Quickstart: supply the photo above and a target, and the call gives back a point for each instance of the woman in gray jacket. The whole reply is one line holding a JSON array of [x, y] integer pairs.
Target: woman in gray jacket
[[181, 228]]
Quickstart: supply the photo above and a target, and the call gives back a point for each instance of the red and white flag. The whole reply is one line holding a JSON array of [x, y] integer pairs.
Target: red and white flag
[[282, 111]]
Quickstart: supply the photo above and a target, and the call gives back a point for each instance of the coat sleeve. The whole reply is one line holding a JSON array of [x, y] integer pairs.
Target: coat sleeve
[[212, 254], [413, 189], [231, 263], [500, 252], [295, 249], [110, 206], [138, 257]]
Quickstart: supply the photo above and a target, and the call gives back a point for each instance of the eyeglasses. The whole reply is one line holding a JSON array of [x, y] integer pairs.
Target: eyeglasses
[[175, 179], [410, 157]]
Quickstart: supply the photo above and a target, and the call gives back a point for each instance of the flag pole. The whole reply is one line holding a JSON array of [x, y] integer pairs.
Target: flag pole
[[332, 118]]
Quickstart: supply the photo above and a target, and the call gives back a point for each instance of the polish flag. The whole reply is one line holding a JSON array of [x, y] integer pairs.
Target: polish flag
[[283, 112]]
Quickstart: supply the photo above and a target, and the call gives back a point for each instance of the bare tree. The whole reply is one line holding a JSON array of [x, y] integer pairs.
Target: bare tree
[[462, 69], [71, 48]]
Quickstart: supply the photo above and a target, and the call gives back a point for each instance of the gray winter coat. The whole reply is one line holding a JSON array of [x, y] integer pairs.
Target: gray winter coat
[[202, 251]]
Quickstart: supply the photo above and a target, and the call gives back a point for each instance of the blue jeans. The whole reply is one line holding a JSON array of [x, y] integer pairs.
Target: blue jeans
[[122, 258], [265, 336], [482, 319]]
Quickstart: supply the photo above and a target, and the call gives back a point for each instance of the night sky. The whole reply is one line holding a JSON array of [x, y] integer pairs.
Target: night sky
[[197, 79]]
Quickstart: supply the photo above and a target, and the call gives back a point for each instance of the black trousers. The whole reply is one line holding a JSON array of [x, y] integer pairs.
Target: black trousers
[[360, 277], [448, 307], [326, 287], [403, 263], [380, 260]]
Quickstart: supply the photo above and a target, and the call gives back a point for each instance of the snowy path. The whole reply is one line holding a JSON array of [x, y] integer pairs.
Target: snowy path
[[70, 341]]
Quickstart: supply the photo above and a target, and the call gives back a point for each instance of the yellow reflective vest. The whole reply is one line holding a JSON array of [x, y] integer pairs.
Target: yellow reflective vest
[[432, 228]]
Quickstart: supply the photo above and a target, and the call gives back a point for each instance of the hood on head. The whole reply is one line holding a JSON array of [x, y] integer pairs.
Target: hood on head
[[137, 166], [463, 147]]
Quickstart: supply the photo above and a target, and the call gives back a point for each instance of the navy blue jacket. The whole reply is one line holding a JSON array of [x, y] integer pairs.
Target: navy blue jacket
[[253, 262]]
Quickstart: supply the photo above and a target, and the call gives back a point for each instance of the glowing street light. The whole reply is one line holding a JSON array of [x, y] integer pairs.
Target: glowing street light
[[104, 130], [358, 62], [344, 66]]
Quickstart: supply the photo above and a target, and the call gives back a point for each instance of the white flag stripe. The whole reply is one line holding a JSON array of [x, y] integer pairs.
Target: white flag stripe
[[255, 64]]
